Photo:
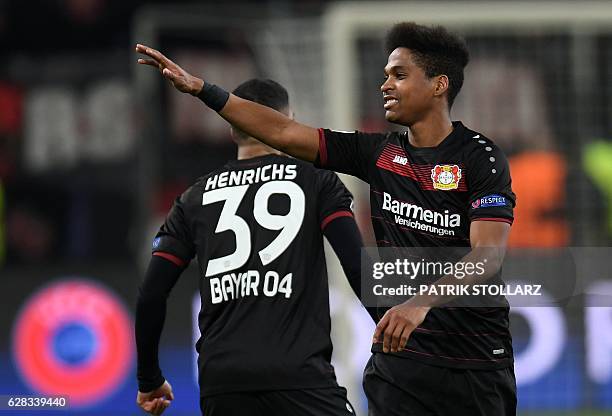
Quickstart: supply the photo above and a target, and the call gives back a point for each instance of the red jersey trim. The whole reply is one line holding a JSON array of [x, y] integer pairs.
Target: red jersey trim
[[333, 216], [322, 148], [506, 220], [171, 258]]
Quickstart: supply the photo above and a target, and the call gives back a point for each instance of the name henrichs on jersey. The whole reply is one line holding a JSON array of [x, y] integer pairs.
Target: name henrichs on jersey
[[236, 285], [273, 172], [226, 281]]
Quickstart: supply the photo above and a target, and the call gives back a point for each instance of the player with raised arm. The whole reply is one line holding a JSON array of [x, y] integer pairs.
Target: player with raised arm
[[256, 226], [437, 184]]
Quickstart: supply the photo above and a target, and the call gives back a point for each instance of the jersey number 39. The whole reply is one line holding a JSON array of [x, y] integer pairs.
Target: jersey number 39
[[288, 224]]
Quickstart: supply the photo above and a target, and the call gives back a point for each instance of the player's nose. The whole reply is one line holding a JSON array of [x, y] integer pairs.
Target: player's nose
[[386, 86]]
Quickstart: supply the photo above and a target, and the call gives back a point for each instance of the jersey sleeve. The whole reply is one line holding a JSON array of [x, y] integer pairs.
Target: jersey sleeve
[[348, 152], [490, 185], [173, 240], [334, 200]]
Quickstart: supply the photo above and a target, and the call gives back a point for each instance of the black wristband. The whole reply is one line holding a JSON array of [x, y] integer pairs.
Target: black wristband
[[213, 96]]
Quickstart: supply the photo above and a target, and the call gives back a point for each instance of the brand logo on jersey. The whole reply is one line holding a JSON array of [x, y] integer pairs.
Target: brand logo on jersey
[[156, 242], [400, 159], [493, 200], [446, 177], [419, 218]]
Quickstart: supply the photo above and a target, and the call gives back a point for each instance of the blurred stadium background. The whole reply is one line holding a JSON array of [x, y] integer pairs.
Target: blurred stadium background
[[93, 150]]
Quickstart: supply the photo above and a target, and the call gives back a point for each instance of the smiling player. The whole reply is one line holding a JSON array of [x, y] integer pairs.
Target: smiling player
[[427, 187]]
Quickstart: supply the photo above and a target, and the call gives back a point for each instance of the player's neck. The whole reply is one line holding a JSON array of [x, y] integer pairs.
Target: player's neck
[[431, 131], [251, 150]]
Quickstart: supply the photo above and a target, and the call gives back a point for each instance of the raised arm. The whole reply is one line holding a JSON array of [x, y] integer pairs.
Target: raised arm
[[263, 123]]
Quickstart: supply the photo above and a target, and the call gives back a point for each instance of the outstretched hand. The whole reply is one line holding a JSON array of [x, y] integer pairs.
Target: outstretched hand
[[156, 401], [181, 79]]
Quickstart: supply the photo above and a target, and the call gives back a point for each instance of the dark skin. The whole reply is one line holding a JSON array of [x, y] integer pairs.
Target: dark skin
[[156, 401], [416, 101], [412, 99]]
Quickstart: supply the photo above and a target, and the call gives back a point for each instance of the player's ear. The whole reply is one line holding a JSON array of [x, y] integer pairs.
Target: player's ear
[[441, 85]]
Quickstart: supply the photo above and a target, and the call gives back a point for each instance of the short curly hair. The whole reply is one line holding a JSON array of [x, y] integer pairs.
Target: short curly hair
[[435, 50]]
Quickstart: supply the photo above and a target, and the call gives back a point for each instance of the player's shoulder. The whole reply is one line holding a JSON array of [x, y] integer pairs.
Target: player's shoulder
[[477, 147], [482, 156]]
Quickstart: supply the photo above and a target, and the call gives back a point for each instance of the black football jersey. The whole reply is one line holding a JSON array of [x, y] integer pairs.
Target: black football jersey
[[255, 226], [427, 197]]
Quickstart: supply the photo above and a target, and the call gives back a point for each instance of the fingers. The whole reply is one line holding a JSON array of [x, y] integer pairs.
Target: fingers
[[179, 78], [149, 62], [404, 338], [395, 337], [400, 336], [380, 327], [159, 402], [393, 331], [156, 406], [143, 49], [169, 75], [166, 388], [153, 53], [162, 406], [140, 48], [149, 405], [388, 335], [384, 330]]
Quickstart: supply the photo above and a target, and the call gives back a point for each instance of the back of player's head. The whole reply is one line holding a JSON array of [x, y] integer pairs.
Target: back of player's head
[[265, 92], [434, 49]]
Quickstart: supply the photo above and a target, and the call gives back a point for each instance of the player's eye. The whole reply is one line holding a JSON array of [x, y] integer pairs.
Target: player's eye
[[400, 76]]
